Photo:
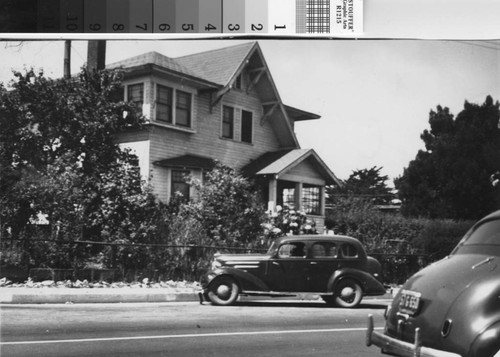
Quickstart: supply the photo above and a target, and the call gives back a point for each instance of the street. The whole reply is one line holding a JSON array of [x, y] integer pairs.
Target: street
[[250, 328]]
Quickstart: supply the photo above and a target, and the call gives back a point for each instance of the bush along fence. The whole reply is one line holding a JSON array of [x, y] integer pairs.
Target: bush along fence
[[180, 262]]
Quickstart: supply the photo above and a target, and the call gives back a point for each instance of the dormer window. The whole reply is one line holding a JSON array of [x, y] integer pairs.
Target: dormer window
[[166, 112]]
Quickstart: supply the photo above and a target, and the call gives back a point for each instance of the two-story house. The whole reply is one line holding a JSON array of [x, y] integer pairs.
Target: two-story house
[[221, 105]]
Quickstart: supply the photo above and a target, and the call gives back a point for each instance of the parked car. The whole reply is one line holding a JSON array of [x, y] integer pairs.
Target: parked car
[[335, 267], [452, 307]]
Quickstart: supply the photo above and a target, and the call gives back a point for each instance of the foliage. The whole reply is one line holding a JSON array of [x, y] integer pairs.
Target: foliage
[[403, 245], [287, 221], [228, 206], [393, 233], [368, 184], [58, 157], [456, 176]]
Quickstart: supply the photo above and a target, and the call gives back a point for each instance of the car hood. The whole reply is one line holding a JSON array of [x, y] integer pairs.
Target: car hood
[[453, 291]]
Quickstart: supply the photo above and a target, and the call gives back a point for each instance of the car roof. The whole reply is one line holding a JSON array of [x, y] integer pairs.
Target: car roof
[[316, 237]]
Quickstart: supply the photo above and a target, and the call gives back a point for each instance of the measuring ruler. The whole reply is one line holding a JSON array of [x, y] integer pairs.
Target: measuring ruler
[[226, 17]]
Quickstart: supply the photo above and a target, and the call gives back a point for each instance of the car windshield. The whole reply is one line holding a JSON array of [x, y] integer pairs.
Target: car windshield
[[487, 233]]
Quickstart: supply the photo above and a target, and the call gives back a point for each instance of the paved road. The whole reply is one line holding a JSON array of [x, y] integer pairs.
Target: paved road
[[251, 328]]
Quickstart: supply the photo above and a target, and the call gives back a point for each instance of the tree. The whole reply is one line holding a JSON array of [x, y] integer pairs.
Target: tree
[[454, 177], [229, 207], [58, 156], [365, 184]]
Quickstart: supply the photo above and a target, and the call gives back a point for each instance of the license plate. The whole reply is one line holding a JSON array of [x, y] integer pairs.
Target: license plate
[[409, 302]]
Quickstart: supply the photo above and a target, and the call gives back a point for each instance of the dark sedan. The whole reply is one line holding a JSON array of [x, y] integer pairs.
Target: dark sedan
[[335, 267]]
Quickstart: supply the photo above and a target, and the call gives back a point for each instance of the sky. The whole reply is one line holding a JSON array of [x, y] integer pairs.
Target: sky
[[374, 96]]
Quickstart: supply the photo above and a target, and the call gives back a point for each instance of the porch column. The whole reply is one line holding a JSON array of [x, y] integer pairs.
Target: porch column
[[273, 188], [298, 196]]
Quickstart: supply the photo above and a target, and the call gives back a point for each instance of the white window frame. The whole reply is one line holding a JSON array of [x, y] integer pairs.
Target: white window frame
[[174, 89]]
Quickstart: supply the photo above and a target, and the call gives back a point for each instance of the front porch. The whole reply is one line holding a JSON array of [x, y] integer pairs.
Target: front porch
[[294, 179]]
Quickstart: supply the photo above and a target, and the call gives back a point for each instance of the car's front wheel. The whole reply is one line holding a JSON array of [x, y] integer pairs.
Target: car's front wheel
[[223, 291], [348, 293]]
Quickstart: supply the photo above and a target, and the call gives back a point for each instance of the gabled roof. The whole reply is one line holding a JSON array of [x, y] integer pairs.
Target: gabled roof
[[217, 70], [217, 66], [279, 162]]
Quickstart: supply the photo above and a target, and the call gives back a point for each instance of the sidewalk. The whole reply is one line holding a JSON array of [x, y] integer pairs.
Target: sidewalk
[[94, 295], [122, 295]]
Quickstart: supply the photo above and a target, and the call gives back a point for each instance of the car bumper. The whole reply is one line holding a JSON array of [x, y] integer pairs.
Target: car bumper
[[395, 347]]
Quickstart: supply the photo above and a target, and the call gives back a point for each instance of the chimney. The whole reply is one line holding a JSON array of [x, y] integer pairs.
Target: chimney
[[96, 55]]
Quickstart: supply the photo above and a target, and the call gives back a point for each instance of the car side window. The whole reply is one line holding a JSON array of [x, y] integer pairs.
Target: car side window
[[349, 251], [292, 250], [324, 250]]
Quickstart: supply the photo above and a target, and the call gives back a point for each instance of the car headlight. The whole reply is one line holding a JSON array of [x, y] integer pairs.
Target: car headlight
[[216, 264]]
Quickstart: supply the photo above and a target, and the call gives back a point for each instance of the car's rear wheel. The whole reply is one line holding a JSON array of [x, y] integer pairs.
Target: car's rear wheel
[[223, 291], [348, 293]]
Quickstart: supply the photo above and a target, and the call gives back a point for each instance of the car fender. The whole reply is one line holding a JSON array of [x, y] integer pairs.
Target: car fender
[[369, 284], [487, 343], [245, 281]]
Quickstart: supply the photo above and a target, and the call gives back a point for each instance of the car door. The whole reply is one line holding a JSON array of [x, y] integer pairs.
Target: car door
[[323, 263], [288, 269]]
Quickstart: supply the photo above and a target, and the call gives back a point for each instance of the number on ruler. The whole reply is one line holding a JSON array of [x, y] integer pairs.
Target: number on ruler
[[118, 27], [187, 27], [164, 27], [143, 28], [210, 27], [233, 27], [71, 25], [95, 27], [278, 27], [257, 27]]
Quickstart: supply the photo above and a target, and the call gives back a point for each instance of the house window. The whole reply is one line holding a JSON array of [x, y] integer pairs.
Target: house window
[[179, 184], [228, 122], [311, 200], [166, 112], [135, 94], [246, 126], [164, 98], [289, 198], [117, 94], [183, 109]]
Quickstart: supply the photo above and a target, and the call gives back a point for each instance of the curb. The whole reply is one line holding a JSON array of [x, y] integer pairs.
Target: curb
[[92, 295], [119, 295]]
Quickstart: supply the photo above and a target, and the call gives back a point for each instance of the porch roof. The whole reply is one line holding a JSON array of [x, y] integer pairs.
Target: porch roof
[[279, 162], [187, 161]]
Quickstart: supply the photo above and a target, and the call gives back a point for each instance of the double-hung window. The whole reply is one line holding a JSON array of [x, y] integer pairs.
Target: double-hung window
[[164, 99], [228, 122], [173, 106], [183, 109], [179, 184], [135, 94]]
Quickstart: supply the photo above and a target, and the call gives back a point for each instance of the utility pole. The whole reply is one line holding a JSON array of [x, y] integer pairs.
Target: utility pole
[[67, 59], [96, 55]]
